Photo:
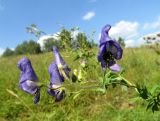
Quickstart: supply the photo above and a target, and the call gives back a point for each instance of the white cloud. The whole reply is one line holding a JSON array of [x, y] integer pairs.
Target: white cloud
[[152, 25], [54, 36], [140, 41], [134, 42], [129, 31], [1, 51], [74, 34], [124, 29], [130, 43], [42, 39], [89, 15], [12, 49]]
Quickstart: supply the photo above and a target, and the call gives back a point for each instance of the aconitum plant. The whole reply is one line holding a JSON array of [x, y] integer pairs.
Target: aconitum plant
[[110, 52], [56, 80], [28, 79], [62, 66]]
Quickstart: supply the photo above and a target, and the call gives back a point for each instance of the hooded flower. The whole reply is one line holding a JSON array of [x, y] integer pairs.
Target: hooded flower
[[28, 79], [62, 66], [56, 80], [109, 51]]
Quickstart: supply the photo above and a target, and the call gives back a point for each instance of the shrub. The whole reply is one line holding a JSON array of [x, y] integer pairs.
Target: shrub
[[49, 43], [65, 37], [121, 42], [8, 52], [30, 47]]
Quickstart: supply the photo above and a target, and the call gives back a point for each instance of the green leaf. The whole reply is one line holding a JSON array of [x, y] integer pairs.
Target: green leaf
[[155, 107], [103, 90], [135, 99], [76, 95], [143, 92], [100, 79], [150, 104], [124, 88], [155, 89]]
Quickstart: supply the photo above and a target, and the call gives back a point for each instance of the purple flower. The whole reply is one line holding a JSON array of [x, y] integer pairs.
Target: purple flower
[[56, 80], [28, 79], [109, 51], [62, 66]]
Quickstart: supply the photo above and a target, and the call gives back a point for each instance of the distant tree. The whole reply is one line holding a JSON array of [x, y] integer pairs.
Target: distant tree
[[82, 41], [93, 44], [49, 43], [30, 47], [7, 52], [121, 42], [65, 37]]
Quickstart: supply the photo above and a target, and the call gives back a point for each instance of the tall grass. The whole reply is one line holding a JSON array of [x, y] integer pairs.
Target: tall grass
[[139, 66]]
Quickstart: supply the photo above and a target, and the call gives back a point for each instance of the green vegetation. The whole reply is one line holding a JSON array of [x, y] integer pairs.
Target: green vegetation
[[65, 41], [139, 64], [30, 47], [49, 45], [8, 52], [27, 47], [121, 42]]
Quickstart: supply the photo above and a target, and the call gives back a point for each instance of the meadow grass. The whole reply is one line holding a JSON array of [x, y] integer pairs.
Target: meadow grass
[[139, 66]]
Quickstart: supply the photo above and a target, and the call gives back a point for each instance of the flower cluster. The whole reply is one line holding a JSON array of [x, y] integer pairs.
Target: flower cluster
[[28, 79], [58, 70], [109, 51]]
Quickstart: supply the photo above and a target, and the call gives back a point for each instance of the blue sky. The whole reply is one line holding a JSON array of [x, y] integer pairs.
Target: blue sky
[[130, 19]]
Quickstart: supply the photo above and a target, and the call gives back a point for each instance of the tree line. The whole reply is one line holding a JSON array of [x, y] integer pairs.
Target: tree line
[[65, 40]]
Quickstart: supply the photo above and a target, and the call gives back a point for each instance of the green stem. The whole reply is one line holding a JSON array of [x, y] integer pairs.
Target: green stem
[[69, 85], [128, 82], [104, 74]]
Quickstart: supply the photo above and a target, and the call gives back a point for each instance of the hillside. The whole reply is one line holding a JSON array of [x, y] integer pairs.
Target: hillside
[[115, 105]]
